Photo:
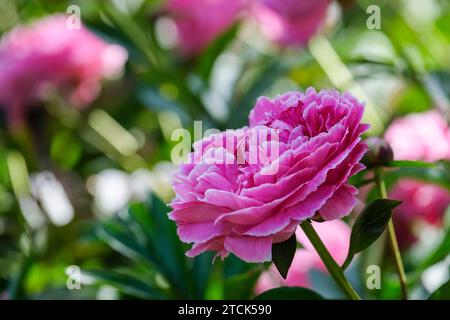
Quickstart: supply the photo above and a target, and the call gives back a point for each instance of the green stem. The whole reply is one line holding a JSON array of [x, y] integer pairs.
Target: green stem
[[333, 268], [392, 237]]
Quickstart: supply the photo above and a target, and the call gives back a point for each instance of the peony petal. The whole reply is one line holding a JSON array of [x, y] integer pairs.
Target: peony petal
[[303, 210], [269, 227], [212, 245], [307, 208], [197, 212], [200, 232], [270, 191], [341, 204], [250, 249], [229, 200]]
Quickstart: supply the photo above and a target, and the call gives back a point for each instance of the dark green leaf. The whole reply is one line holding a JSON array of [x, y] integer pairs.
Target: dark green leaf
[[369, 226], [146, 235], [283, 254], [133, 32], [233, 266], [161, 242], [125, 283], [201, 273], [123, 242], [443, 293], [169, 249], [240, 287], [289, 293]]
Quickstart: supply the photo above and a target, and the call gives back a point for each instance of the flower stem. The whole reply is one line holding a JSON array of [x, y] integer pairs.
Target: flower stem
[[333, 268], [392, 237]]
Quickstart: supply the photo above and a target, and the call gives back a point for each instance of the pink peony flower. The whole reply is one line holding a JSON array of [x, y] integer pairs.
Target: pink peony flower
[[290, 22], [430, 136], [336, 237], [48, 56], [199, 22], [242, 206]]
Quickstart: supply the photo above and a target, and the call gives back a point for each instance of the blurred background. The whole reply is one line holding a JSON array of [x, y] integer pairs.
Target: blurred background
[[91, 91]]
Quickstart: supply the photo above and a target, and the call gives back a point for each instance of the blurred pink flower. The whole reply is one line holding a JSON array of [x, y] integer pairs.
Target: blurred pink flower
[[425, 137], [243, 207], [199, 22], [47, 55], [421, 136], [290, 22], [421, 200], [336, 237]]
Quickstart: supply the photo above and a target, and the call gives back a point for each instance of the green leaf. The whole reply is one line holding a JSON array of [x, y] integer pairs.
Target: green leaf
[[241, 286], [283, 254], [169, 249], [201, 273], [161, 242], [120, 240], [146, 235], [133, 31], [369, 226], [439, 174], [233, 266], [411, 164], [443, 293], [125, 283], [289, 293]]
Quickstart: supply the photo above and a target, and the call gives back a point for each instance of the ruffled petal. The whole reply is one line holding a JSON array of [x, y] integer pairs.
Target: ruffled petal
[[250, 249]]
